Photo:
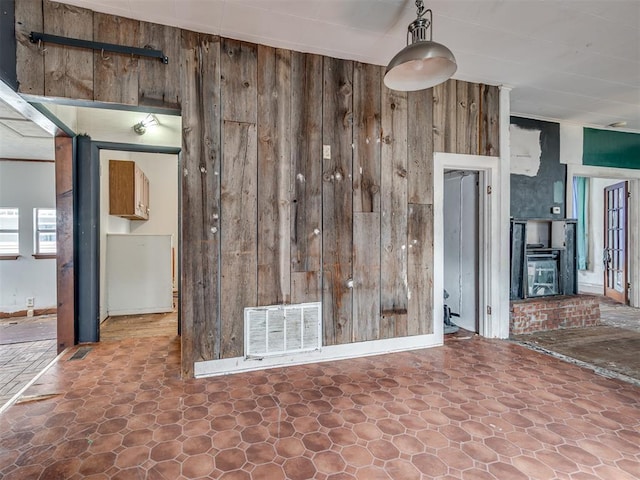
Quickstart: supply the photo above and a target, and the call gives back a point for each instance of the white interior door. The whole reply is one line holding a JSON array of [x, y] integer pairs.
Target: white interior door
[[461, 242]]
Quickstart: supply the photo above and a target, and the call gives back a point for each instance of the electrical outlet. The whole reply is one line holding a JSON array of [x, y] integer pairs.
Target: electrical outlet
[[30, 301], [326, 152]]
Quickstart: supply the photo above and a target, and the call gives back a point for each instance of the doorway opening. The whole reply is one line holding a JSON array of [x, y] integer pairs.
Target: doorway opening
[[138, 249], [461, 249], [601, 208], [491, 304], [109, 132], [591, 265]]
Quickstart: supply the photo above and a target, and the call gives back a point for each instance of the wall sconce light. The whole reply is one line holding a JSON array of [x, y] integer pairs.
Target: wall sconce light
[[149, 121], [423, 63]]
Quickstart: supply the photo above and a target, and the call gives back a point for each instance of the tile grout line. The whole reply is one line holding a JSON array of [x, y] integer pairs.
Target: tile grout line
[[13, 399]]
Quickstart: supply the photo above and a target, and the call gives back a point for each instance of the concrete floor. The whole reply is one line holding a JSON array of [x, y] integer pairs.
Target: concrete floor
[[612, 348], [27, 346]]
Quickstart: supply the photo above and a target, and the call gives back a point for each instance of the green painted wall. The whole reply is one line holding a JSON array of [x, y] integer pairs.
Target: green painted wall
[[608, 148]]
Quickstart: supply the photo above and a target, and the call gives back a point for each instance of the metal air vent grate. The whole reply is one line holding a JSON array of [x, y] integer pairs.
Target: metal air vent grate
[[282, 329]]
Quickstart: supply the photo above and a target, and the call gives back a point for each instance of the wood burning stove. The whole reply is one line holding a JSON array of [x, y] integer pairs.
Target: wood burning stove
[[543, 258], [543, 268]]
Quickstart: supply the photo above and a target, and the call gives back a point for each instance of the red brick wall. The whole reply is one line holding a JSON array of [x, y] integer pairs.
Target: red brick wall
[[550, 313]]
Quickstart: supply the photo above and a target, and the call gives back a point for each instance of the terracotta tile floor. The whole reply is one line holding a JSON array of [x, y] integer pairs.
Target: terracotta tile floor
[[472, 409]]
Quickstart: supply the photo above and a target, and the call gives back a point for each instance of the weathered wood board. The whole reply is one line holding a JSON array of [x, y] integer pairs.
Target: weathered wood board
[[116, 75], [238, 276], [29, 56], [68, 71], [489, 120], [367, 90], [239, 81], [64, 234], [366, 276], [306, 163], [159, 83], [420, 147], [420, 269], [393, 235], [274, 179], [200, 178], [337, 201]]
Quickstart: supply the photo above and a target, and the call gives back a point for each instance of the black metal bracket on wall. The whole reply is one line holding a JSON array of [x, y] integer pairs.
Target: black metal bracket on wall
[[36, 37]]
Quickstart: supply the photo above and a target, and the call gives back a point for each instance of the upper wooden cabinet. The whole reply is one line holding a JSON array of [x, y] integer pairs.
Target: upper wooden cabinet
[[128, 190]]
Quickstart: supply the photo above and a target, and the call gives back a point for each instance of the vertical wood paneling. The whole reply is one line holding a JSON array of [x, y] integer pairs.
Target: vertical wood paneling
[[450, 117], [68, 72], [239, 81], [116, 75], [439, 115], [253, 133], [367, 91], [473, 119], [158, 83], [489, 120], [420, 146], [462, 119], [238, 279], [64, 235], [393, 242], [306, 287], [239, 175], [367, 81], [29, 56], [199, 218], [420, 269], [306, 160], [274, 181], [366, 276], [337, 201]]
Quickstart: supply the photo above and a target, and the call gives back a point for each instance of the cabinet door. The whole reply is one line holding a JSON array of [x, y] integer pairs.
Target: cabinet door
[[145, 196], [138, 195]]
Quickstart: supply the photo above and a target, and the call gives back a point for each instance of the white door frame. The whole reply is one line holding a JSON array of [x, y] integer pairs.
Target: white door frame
[[490, 233], [633, 215]]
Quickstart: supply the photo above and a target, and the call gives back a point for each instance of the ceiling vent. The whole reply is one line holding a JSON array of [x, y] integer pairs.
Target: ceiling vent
[[282, 329]]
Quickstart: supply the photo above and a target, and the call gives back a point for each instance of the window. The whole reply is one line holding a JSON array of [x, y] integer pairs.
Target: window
[[45, 231], [9, 238]]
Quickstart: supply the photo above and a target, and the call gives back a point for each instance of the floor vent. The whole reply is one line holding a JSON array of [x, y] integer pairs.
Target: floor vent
[[80, 353], [282, 329]]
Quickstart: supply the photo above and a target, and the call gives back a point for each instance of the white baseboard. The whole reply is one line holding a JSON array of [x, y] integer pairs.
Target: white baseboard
[[211, 368], [140, 311], [590, 288]]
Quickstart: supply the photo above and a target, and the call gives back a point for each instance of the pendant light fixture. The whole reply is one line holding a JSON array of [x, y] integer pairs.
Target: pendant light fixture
[[423, 63]]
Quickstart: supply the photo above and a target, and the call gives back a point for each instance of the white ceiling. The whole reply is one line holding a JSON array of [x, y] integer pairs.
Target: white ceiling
[[20, 137], [571, 60], [576, 61]]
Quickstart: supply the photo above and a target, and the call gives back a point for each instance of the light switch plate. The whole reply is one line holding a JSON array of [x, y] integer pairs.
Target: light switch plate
[[555, 210]]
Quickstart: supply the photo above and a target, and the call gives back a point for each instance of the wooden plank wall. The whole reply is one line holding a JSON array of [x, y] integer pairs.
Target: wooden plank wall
[[64, 233], [304, 179]]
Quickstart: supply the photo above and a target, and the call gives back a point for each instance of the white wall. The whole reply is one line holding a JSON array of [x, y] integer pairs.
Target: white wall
[[162, 172], [27, 185], [108, 223], [461, 246]]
